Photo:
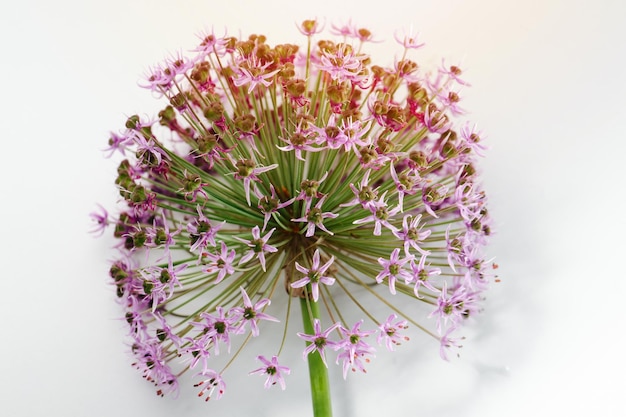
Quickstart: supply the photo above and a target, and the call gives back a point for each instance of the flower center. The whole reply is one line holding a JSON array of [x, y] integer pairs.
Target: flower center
[[367, 194], [220, 327], [422, 275], [310, 187], [245, 167], [249, 313], [165, 276], [320, 342], [314, 276], [268, 204], [382, 214], [257, 245], [315, 215], [298, 139]]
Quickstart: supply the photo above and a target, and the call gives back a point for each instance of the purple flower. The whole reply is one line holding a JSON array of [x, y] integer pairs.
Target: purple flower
[[248, 172], [432, 197], [450, 101], [198, 351], [201, 231], [354, 133], [192, 187], [345, 30], [469, 201], [258, 246], [450, 307], [210, 44], [393, 269], [315, 217], [353, 359], [212, 385], [251, 313], [380, 216], [162, 236], [216, 328], [177, 65], [273, 370], [353, 348], [476, 274], [117, 143], [318, 341], [151, 361], [365, 195], [309, 190], [342, 64], [472, 139], [310, 27], [329, 136], [454, 248], [435, 120], [314, 275], [270, 204], [147, 148], [222, 263], [157, 80], [101, 218], [299, 141], [411, 235], [253, 74], [405, 184], [453, 71], [446, 343], [421, 275], [389, 332], [409, 41], [160, 282]]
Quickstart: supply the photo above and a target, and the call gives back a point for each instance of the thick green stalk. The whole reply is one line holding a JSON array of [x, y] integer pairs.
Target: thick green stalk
[[318, 373]]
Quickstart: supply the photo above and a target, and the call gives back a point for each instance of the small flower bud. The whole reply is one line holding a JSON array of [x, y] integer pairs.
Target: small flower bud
[[309, 27], [338, 93], [245, 122], [167, 116], [132, 122], [214, 111]]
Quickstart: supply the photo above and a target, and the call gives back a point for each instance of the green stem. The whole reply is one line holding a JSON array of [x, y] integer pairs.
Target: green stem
[[318, 373]]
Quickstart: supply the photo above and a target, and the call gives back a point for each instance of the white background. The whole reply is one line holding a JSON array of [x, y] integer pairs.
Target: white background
[[547, 87]]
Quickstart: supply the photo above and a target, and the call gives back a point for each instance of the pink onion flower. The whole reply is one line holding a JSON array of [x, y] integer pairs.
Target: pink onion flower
[[273, 370], [367, 187]]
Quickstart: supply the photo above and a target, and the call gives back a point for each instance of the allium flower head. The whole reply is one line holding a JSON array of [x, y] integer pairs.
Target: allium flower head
[[278, 172]]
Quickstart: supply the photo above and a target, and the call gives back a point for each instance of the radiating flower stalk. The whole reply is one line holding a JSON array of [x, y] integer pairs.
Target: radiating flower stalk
[[278, 173]]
